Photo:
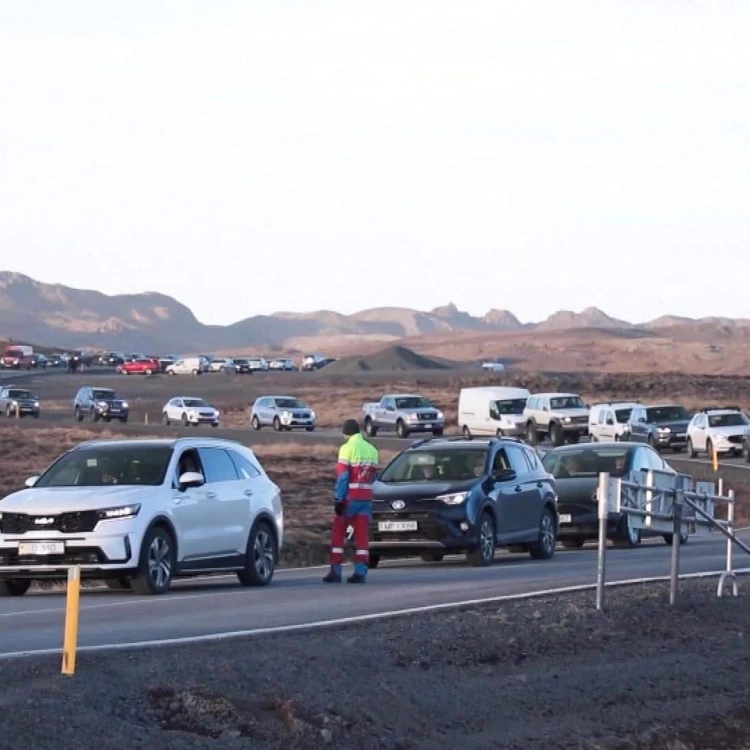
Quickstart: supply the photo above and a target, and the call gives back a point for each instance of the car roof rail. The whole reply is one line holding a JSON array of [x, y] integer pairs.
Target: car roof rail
[[440, 438]]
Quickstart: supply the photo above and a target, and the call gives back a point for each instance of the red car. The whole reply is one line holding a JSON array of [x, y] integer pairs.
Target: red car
[[139, 366]]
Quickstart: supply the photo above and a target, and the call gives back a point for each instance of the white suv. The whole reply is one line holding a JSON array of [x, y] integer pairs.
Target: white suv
[[189, 410], [137, 513], [720, 430], [282, 413], [562, 416]]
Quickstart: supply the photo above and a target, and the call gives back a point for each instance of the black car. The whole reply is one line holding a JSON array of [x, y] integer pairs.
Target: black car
[[99, 403], [14, 399], [662, 426], [576, 470], [242, 366], [446, 495]]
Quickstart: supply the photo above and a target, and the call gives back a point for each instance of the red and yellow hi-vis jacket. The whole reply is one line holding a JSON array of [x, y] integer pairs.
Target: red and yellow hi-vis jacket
[[355, 474]]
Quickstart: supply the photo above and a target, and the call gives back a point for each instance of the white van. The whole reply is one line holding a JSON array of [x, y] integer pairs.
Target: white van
[[492, 410], [188, 366], [607, 422]]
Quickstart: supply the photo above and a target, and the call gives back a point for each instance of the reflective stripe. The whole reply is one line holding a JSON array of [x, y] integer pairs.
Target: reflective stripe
[[360, 486], [362, 552], [337, 549]]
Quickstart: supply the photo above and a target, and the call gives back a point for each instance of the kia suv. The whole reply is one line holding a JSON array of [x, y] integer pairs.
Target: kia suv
[[717, 431], [282, 413], [99, 403], [447, 495], [138, 513]]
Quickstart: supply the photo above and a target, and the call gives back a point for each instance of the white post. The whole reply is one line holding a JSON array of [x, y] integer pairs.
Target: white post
[[603, 509]]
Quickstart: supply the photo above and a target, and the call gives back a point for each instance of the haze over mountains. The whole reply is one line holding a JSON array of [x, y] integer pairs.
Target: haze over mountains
[[56, 315]]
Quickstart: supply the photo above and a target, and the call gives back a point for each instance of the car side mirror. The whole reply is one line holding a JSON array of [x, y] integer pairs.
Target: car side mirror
[[610, 421], [642, 420], [31, 481], [545, 408], [504, 475], [191, 479]]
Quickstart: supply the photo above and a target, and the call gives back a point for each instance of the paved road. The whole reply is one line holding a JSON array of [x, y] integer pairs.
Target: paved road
[[219, 605]]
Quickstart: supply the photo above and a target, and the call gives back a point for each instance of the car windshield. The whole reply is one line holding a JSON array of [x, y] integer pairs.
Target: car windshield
[[412, 402], [567, 402], [666, 414], [510, 406], [194, 402], [103, 395], [447, 465], [109, 464], [735, 419], [588, 461], [290, 403], [623, 415], [17, 393]]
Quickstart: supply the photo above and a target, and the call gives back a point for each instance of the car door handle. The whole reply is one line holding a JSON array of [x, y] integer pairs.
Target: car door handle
[[519, 488], [176, 500], [247, 493], [211, 495]]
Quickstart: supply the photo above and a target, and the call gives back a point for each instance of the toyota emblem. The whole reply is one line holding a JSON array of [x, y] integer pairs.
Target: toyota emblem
[[398, 504]]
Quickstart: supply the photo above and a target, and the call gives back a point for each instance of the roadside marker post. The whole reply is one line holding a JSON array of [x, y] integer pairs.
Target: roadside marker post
[[70, 640], [145, 418], [677, 508], [602, 497], [715, 458]]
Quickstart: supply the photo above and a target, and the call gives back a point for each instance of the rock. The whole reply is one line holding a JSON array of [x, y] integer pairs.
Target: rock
[[327, 736]]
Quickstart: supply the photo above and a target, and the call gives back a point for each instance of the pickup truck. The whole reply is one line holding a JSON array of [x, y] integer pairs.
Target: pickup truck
[[404, 413]]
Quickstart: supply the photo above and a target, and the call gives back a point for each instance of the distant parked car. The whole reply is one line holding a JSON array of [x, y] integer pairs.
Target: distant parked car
[[447, 495], [221, 364], [257, 363], [188, 366], [138, 513], [282, 364], [661, 426], [189, 410], [281, 412], [720, 430], [576, 471], [14, 399], [99, 403], [242, 367], [18, 358], [139, 367]]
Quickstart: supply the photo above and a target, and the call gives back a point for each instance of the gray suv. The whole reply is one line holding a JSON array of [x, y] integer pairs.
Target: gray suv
[[99, 403], [18, 400], [661, 426]]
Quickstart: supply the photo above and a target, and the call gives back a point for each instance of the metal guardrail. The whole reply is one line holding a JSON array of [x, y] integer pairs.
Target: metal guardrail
[[668, 504]]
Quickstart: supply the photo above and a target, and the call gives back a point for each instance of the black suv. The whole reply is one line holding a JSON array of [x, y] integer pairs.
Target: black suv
[[662, 426], [13, 398], [99, 403], [445, 495]]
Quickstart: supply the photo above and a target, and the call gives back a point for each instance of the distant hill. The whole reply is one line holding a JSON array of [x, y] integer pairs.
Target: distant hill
[[390, 359], [61, 316]]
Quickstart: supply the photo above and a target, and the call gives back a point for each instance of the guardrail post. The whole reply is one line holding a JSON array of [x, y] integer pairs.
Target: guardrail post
[[603, 510], [18, 410], [145, 418], [677, 507], [70, 640], [729, 572]]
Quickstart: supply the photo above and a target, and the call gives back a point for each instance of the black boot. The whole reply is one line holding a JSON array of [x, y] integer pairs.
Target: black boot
[[356, 578], [334, 576]]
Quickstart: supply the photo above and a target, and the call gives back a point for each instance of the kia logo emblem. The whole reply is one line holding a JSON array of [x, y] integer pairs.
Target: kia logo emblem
[[44, 521], [398, 504]]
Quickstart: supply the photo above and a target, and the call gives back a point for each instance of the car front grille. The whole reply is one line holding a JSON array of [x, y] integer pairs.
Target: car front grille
[[427, 417], [73, 556], [736, 439], [66, 523]]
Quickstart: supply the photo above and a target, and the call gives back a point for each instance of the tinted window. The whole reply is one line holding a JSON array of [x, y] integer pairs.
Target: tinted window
[[586, 461], [667, 413], [453, 464], [517, 461], [567, 402], [531, 458], [245, 468], [623, 415], [17, 393], [655, 461], [735, 419], [217, 465]]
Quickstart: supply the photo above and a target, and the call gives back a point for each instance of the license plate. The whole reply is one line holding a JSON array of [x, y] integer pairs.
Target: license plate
[[397, 526], [682, 435], [41, 548], [428, 426], [566, 518]]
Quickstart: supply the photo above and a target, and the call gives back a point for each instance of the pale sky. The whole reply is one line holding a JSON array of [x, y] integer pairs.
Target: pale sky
[[248, 157]]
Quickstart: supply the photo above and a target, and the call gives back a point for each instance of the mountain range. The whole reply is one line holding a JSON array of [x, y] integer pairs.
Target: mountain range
[[57, 315]]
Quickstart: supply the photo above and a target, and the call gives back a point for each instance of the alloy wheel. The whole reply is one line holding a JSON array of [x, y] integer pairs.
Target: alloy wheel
[[487, 539], [160, 562], [263, 556], [547, 534]]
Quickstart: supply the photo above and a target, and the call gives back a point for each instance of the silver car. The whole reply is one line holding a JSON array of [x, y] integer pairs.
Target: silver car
[[282, 413]]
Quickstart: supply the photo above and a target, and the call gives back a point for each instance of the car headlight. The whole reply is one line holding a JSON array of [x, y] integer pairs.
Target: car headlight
[[102, 404], [312, 415], [36, 404], [454, 498], [566, 419], [216, 412], [124, 404], [123, 511], [665, 430], [440, 415], [286, 415]]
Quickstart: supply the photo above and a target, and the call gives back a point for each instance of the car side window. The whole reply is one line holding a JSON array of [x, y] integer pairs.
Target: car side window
[[517, 462], [640, 460], [500, 462], [188, 462], [654, 459], [531, 459], [219, 467], [245, 468]]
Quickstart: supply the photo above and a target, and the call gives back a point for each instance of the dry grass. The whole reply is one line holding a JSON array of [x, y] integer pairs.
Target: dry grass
[[303, 471]]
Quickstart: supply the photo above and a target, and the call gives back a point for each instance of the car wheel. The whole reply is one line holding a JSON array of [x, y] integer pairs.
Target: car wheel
[[255, 423], [627, 536], [401, 430], [260, 557], [14, 586], [556, 435], [572, 543], [184, 420], [690, 449], [310, 429], [370, 429], [8, 412], [277, 424], [123, 419], [544, 547], [437, 433], [373, 560], [746, 451], [156, 563], [78, 415], [669, 538], [573, 438], [710, 449], [532, 438], [432, 556], [484, 553], [170, 372], [165, 419], [118, 584], [595, 439], [195, 372], [95, 415], [466, 432]]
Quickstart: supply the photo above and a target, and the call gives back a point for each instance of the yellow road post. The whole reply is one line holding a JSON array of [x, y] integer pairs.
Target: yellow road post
[[715, 458], [70, 641]]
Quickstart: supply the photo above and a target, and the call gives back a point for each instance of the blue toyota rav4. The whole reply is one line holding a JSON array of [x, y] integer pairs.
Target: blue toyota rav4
[[446, 495]]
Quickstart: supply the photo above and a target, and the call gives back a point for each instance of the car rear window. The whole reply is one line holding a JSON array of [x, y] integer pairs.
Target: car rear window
[[586, 462], [447, 465]]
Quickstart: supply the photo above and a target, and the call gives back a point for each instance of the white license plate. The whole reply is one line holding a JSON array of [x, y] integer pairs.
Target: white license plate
[[41, 548], [566, 518], [428, 426], [397, 526], [682, 435]]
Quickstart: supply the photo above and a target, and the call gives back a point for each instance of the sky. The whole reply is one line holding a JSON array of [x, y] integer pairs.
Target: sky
[[251, 157]]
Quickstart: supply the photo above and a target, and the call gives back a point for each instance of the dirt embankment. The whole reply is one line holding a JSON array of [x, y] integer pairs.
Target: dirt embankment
[[548, 673]]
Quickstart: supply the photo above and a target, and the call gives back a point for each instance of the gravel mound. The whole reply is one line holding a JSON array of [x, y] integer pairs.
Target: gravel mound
[[391, 359]]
